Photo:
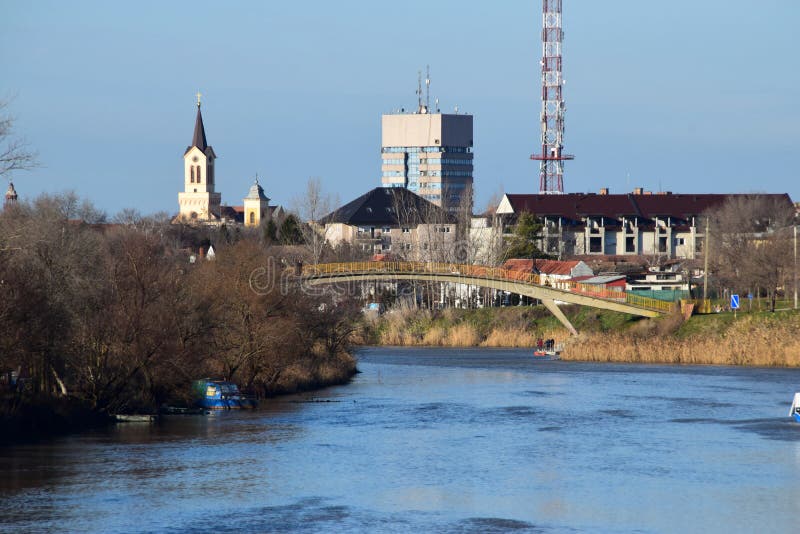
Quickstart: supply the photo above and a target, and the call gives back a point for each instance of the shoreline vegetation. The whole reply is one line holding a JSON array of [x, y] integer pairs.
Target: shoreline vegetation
[[750, 339], [104, 319]]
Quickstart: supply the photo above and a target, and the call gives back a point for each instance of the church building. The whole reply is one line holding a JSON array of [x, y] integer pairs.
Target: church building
[[200, 203]]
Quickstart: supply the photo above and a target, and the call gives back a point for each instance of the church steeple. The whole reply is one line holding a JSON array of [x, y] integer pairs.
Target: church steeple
[[199, 200], [199, 138]]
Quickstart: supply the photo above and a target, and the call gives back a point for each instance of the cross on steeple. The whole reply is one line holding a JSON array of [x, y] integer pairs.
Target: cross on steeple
[[198, 95]]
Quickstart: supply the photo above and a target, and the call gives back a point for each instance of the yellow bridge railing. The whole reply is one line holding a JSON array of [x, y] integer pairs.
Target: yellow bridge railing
[[491, 273]]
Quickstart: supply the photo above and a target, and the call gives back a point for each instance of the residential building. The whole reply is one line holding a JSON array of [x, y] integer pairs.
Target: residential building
[[429, 154], [552, 273], [396, 221], [640, 223]]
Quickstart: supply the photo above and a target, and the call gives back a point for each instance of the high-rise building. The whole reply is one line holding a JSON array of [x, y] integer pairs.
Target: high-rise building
[[429, 154]]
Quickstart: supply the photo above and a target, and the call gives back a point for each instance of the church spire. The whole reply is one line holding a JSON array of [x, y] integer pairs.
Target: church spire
[[199, 138]]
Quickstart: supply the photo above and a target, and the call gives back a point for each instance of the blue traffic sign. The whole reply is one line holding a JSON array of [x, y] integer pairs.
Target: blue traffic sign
[[734, 302]]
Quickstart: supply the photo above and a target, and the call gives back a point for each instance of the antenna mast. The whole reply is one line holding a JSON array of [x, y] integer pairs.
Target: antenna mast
[[419, 91], [551, 168], [427, 88]]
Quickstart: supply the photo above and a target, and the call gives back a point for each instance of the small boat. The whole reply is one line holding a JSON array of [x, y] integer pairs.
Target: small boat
[[220, 395], [134, 418], [543, 354], [548, 350], [795, 410]]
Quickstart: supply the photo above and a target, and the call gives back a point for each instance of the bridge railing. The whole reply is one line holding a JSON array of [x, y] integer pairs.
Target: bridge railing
[[617, 294]]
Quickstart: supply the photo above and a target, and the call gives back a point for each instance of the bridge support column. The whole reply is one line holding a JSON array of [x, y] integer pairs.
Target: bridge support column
[[555, 310]]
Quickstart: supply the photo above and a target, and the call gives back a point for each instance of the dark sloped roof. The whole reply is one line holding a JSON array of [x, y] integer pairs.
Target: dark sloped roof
[[381, 205], [578, 205], [199, 137]]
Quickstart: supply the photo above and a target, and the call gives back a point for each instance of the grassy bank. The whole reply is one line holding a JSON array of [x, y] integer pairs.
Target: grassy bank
[[517, 326], [757, 339]]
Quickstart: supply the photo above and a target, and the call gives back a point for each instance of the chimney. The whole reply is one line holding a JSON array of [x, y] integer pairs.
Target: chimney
[[638, 191], [604, 191]]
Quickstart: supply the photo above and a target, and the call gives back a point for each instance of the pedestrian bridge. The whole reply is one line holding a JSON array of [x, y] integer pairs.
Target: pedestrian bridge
[[522, 283]]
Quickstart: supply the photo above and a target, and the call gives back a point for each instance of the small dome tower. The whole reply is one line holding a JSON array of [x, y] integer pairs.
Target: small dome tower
[[256, 205]]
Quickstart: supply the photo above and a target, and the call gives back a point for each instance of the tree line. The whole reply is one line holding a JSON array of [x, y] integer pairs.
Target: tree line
[[122, 317]]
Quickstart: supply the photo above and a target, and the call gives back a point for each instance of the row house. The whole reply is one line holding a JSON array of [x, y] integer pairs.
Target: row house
[[638, 223]]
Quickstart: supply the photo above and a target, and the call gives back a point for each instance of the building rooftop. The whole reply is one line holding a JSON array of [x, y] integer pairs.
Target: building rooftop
[[576, 206], [388, 205], [552, 267]]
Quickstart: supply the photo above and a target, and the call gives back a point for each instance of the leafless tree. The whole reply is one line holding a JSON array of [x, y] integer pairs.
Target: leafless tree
[[750, 244], [312, 207], [15, 154]]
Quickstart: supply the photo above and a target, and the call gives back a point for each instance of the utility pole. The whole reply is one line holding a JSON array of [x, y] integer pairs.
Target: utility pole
[[705, 263], [795, 266]]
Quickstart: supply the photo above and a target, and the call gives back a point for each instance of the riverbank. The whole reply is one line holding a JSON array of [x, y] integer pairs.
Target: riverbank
[[755, 339], [24, 418]]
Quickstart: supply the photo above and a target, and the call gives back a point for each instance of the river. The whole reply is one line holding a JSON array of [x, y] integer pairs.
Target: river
[[440, 440]]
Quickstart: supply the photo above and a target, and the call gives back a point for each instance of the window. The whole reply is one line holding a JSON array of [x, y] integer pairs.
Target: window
[[406, 230], [386, 229], [680, 241], [198, 174], [630, 245], [191, 169], [252, 217], [595, 245], [662, 244]]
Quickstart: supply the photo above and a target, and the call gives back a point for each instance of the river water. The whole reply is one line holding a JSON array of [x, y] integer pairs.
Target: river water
[[440, 440]]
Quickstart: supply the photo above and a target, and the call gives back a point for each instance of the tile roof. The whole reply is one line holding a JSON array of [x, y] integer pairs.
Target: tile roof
[[578, 205], [553, 267]]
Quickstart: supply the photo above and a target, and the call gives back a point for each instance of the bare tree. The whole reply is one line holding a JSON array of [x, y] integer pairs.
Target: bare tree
[[312, 207], [751, 244], [14, 152]]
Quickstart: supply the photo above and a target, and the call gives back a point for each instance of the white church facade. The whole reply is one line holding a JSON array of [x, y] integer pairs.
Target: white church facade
[[201, 203]]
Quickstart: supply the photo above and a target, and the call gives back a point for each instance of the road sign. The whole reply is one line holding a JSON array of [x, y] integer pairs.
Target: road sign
[[734, 302]]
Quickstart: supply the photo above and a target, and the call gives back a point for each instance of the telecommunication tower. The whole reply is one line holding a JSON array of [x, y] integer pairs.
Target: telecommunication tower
[[551, 168]]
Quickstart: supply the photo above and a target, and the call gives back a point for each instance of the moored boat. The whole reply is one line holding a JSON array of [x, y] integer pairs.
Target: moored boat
[[795, 409], [220, 395]]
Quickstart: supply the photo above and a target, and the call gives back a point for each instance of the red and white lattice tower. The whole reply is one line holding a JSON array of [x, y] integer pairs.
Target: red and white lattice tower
[[551, 170]]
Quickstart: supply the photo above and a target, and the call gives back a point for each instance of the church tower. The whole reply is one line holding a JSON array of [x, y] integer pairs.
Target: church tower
[[256, 205], [11, 194], [199, 201]]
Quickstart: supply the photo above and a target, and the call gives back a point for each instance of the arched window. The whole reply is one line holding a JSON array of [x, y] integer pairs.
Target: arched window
[[198, 174], [210, 174], [192, 172], [252, 217]]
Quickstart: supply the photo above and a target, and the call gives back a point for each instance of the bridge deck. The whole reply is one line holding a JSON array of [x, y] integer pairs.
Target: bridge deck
[[529, 284]]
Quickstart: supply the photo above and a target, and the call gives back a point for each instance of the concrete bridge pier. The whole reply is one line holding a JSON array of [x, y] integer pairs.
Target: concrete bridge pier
[[551, 305]]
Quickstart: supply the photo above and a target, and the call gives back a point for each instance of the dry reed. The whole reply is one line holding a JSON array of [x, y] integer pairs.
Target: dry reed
[[748, 341]]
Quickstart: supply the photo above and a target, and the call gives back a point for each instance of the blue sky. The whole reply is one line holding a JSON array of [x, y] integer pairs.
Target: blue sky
[[683, 96]]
